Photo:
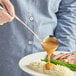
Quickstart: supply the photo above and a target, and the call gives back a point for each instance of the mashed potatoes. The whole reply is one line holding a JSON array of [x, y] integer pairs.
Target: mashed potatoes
[[57, 70]]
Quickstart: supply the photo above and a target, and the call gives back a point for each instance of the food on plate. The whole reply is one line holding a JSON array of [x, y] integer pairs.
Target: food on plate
[[65, 57], [57, 70], [58, 65], [37, 66], [58, 62]]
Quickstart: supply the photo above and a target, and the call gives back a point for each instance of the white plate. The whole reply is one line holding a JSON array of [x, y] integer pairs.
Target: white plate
[[24, 62]]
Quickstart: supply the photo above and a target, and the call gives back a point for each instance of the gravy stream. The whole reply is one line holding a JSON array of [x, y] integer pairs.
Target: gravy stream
[[49, 44]]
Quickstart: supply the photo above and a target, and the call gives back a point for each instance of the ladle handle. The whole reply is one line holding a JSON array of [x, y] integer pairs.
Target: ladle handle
[[3, 7], [26, 26]]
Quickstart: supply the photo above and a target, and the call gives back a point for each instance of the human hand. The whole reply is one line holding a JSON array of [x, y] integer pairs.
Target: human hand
[[7, 14]]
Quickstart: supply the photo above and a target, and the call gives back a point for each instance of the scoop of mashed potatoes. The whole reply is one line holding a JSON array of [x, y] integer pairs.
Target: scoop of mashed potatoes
[[57, 70]]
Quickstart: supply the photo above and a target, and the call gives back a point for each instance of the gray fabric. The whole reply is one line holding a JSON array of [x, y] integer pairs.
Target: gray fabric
[[66, 25]]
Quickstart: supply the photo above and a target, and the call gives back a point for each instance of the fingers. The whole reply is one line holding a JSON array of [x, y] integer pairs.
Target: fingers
[[9, 7], [7, 14], [4, 17]]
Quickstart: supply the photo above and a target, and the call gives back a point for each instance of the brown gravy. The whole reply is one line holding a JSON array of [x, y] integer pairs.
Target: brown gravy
[[49, 44]]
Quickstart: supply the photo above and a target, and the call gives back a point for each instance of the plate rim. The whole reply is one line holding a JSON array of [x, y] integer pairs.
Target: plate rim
[[20, 62]]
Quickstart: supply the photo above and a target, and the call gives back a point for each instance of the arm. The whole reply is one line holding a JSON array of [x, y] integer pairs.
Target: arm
[[7, 14], [66, 25]]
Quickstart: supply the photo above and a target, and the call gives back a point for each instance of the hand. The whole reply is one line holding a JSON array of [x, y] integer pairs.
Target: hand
[[7, 14]]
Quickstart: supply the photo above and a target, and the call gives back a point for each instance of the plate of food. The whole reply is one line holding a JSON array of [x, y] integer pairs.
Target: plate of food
[[64, 64]]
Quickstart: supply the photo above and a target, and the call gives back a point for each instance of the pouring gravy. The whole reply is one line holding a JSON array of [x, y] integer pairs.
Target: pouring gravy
[[49, 44]]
